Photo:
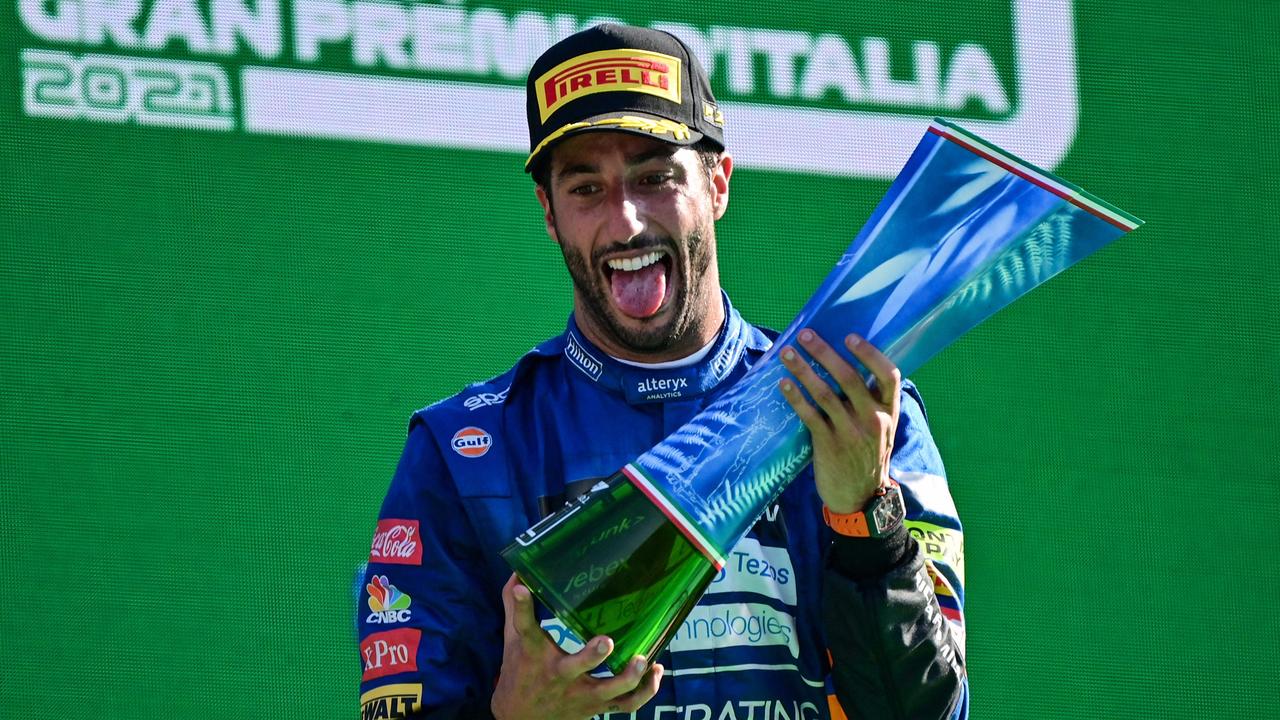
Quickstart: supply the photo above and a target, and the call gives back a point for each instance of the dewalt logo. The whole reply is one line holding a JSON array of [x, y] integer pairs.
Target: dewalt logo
[[391, 701]]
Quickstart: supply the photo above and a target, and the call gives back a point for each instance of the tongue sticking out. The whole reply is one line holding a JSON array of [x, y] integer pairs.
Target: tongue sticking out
[[639, 293]]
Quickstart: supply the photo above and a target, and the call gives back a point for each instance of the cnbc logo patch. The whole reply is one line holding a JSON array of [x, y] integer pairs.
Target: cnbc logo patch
[[388, 604]]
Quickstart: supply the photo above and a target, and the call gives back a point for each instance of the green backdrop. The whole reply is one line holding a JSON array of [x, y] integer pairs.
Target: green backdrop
[[237, 249]]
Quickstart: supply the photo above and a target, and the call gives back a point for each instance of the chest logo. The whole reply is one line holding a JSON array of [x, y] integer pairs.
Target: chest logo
[[471, 442], [608, 70]]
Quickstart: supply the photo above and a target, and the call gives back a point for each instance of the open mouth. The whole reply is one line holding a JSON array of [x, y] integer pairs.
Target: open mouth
[[639, 284]]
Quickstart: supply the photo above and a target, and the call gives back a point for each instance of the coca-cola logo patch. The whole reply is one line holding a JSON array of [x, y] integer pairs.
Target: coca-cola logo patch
[[396, 542]]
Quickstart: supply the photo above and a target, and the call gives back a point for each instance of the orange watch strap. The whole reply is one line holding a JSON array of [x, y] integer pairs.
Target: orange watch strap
[[853, 524]]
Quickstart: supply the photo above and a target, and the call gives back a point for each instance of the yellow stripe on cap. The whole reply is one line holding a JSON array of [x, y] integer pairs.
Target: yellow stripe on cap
[[624, 70], [678, 131]]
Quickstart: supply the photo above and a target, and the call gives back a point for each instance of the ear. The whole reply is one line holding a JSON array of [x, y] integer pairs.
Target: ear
[[548, 216], [720, 185]]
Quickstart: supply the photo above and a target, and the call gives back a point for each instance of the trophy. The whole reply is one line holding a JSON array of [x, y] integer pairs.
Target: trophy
[[964, 230]]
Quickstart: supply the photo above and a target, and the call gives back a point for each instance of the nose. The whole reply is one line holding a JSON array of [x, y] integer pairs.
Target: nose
[[625, 219]]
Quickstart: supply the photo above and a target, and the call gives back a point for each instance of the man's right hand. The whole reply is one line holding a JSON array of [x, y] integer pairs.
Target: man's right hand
[[539, 680]]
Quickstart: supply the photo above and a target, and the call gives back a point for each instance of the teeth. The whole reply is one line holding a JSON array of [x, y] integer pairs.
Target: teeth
[[633, 264]]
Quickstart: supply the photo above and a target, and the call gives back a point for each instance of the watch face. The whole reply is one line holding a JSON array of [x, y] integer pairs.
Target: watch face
[[888, 512]]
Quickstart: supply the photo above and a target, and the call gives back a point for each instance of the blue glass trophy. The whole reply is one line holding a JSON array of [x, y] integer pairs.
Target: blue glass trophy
[[963, 231]]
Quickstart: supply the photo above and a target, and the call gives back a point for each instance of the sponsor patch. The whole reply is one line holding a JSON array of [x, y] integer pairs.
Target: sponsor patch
[[471, 442], [755, 568], [564, 638], [940, 544], [581, 359], [947, 601], [736, 709], [485, 399], [388, 605], [736, 624], [605, 71], [391, 701], [662, 388], [713, 114], [390, 653], [396, 542]]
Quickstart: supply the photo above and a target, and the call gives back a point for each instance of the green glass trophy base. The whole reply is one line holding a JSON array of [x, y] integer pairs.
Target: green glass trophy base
[[610, 563]]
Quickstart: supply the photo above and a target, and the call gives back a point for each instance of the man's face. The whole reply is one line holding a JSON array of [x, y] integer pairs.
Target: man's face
[[635, 220]]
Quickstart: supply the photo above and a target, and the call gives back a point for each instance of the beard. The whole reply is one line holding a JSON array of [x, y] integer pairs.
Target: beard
[[684, 316]]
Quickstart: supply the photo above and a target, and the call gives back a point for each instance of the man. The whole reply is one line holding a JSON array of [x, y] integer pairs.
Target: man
[[811, 617]]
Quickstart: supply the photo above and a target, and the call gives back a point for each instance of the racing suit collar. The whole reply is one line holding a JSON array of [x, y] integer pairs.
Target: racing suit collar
[[645, 385]]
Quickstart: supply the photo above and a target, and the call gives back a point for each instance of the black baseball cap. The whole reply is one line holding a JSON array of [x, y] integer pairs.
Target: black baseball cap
[[620, 78]]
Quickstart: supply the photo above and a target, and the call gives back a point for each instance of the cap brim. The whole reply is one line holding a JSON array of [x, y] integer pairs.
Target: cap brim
[[636, 123]]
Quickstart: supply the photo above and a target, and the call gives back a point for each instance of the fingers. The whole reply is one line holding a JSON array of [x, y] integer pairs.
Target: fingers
[[644, 690], [824, 396], [808, 414], [888, 376], [848, 378], [508, 607], [536, 675], [586, 659], [517, 602], [632, 683], [888, 379]]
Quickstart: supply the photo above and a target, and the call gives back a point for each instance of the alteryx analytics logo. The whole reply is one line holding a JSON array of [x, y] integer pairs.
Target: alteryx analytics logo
[[849, 96], [662, 388], [388, 605]]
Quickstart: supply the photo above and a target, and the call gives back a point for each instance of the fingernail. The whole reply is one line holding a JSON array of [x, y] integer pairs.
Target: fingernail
[[788, 355], [637, 664], [521, 593], [853, 341], [806, 335], [602, 647]]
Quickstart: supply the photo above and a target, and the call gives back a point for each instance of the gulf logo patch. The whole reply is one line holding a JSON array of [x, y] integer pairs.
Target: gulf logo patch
[[471, 442]]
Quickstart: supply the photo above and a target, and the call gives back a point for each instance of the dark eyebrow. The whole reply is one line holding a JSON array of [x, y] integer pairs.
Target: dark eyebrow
[[567, 170], [663, 151]]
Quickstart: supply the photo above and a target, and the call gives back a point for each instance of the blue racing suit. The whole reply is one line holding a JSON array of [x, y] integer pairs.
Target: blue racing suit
[[801, 623]]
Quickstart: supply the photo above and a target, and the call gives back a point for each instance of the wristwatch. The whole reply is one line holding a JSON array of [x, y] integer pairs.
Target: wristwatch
[[882, 515]]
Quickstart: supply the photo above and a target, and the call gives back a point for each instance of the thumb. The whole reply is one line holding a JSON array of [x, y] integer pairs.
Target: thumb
[[517, 603]]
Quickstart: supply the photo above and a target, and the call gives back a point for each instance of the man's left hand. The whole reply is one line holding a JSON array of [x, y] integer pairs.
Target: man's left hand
[[852, 425]]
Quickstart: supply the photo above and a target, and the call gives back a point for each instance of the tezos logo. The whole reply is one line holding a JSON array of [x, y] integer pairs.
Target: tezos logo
[[471, 442], [388, 604]]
